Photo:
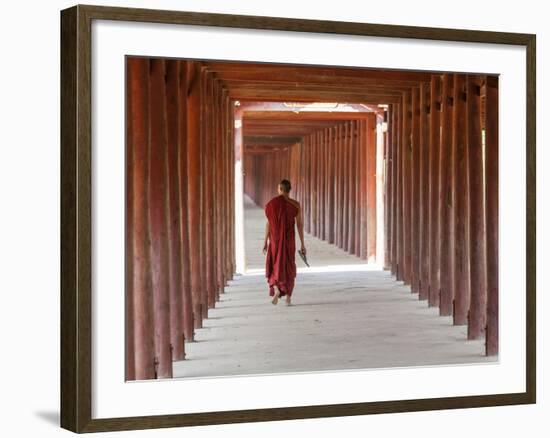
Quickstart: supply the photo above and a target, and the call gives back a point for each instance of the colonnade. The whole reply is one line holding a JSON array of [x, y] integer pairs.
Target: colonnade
[[180, 208], [333, 172], [441, 197]]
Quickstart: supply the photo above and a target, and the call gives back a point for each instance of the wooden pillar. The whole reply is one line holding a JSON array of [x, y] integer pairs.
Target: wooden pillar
[[461, 256], [434, 230], [194, 187], [477, 318], [174, 212], [322, 188], [415, 190], [352, 188], [338, 152], [446, 243], [362, 141], [399, 198], [388, 190], [140, 287], [188, 324], [395, 169], [203, 194], [358, 189], [208, 190], [491, 211], [346, 200], [158, 203], [371, 187], [424, 193], [331, 160], [329, 182], [406, 164], [129, 335]]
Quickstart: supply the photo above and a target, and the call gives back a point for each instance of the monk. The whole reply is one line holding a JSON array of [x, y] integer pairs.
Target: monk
[[282, 213]]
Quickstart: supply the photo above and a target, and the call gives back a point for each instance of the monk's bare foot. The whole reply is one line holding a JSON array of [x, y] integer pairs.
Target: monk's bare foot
[[288, 303], [275, 299]]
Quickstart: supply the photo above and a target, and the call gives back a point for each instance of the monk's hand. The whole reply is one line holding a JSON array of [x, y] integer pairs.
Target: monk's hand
[[265, 248], [303, 249]]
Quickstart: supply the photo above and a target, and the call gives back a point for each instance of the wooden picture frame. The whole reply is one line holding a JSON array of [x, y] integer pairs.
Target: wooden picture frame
[[76, 226]]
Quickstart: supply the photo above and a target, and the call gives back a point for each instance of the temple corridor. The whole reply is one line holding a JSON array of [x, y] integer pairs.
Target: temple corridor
[[338, 320], [396, 172]]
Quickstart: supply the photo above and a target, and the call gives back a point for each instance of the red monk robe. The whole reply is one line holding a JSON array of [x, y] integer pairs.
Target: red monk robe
[[280, 264]]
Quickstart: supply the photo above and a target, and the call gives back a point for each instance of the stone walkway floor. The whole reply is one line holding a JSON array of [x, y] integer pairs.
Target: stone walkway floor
[[346, 314]]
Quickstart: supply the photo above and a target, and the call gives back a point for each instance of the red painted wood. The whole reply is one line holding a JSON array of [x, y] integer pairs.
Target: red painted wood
[[491, 212], [415, 190], [139, 286], [478, 284], [194, 188], [371, 187], [352, 188], [446, 243], [158, 218], [388, 190], [461, 259], [434, 226], [423, 290], [399, 198], [129, 295], [188, 323], [407, 187], [174, 211]]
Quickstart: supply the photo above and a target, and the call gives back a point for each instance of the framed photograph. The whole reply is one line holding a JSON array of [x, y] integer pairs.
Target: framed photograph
[[270, 218]]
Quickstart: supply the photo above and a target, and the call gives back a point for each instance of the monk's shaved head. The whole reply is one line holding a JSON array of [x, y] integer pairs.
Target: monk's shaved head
[[284, 185]]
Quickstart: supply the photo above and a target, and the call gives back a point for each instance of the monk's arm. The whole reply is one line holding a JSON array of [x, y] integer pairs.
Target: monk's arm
[[300, 225], [266, 236]]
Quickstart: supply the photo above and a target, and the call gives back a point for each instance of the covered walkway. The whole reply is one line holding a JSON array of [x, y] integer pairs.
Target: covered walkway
[[339, 320]]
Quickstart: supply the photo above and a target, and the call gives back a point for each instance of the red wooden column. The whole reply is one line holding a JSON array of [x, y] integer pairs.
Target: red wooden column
[[230, 189], [388, 190], [188, 324], [328, 182], [204, 195], [314, 187], [370, 133], [415, 190], [346, 200], [362, 141], [219, 199], [407, 164], [338, 153], [478, 284], [322, 187], [399, 198], [394, 201], [352, 188], [129, 339], [194, 187], [446, 248], [434, 230], [424, 193], [491, 212], [158, 218], [331, 160], [341, 208], [140, 289], [461, 259], [208, 190], [174, 212], [321, 183], [359, 172]]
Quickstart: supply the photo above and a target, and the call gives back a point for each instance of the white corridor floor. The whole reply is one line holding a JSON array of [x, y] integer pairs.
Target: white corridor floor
[[345, 315]]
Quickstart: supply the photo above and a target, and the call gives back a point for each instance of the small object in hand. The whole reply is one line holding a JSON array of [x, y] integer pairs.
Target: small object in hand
[[303, 257]]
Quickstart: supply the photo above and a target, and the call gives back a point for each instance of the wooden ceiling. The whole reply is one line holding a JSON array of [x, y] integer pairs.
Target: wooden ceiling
[[262, 82]]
